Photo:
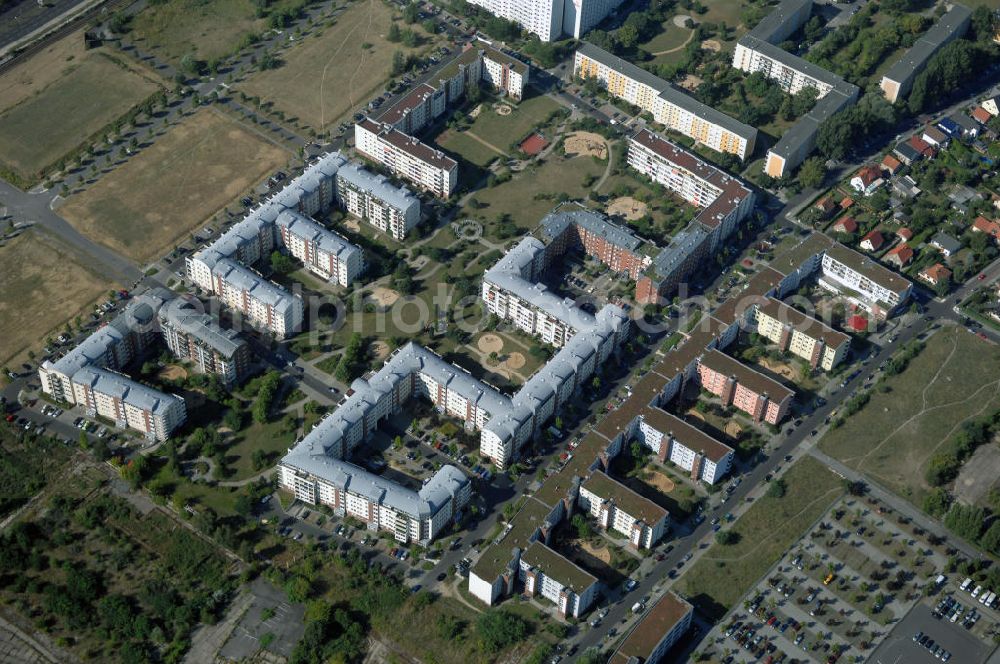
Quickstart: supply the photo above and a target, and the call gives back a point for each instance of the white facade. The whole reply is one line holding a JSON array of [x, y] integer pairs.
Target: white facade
[[374, 199], [876, 294], [265, 305], [322, 251], [130, 404], [407, 157]]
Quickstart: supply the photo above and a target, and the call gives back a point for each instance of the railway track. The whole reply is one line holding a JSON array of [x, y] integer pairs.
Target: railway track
[[104, 8]]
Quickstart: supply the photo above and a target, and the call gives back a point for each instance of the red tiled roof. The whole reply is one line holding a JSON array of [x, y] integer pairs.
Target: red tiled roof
[[891, 164], [846, 224], [905, 233], [875, 239], [935, 273], [981, 115], [858, 323], [903, 254], [984, 225], [921, 146], [846, 203], [868, 174]]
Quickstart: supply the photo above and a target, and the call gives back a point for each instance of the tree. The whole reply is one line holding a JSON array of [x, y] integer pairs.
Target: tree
[[411, 13], [947, 72], [397, 442], [727, 537], [777, 488], [281, 263], [498, 629], [627, 36], [965, 521], [582, 526], [811, 173], [394, 35]]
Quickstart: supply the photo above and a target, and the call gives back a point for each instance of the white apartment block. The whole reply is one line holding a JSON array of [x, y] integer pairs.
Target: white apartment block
[[898, 79], [504, 73], [668, 105], [193, 335], [130, 404], [85, 375], [617, 507], [411, 516], [407, 157], [550, 19], [321, 250], [372, 198], [863, 281], [544, 572], [662, 626], [674, 440], [799, 334], [264, 305], [758, 51]]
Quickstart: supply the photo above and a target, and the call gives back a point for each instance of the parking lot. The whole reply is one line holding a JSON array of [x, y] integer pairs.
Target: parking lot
[[900, 646]]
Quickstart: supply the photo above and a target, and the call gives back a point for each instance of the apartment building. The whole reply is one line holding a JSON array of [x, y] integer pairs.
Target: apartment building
[[128, 403], [898, 80], [222, 268], [322, 251], [855, 277], [799, 334], [617, 507], [317, 478], [758, 51], [195, 336], [87, 375], [547, 574], [375, 200], [263, 304], [551, 19], [672, 439], [724, 202], [407, 157], [668, 105], [660, 628], [505, 74], [763, 399]]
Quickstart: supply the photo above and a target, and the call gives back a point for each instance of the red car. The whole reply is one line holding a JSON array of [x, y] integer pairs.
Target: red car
[[982, 276]]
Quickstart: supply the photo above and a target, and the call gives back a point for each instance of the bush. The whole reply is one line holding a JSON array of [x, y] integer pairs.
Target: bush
[[499, 629], [777, 489]]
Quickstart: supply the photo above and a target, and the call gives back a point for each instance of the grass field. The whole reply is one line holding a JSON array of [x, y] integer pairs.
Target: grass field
[[56, 99], [670, 37], [725, 573], [326, 75], [205, 30], [492, 135], [955, 378], [172, 187], [271, 437], [529, 195], [35, 268]]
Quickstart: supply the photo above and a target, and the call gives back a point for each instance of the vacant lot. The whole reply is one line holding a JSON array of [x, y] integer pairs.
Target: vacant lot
[[766, 530], [954, 379], [35, 268], [204, 30], [327, 74], [167, 190], [52, 102]]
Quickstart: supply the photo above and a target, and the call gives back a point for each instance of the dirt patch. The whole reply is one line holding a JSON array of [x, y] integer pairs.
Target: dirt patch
[[379, 350], [628, 208], [681, 21], [602, 552], [383, 297], [490, 343], [585, 143], [661, 482], [711, 45], [733, 430], [690, 82], [474, 113], [352, 224], [779, 368], [502, 109], [173, 372], [978, 475], [515, 361], [695, 414]]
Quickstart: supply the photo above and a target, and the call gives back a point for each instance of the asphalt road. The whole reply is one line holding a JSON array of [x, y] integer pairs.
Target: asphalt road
[[25, 16]]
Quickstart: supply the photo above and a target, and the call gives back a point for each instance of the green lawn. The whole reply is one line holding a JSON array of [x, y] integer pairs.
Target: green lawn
[[271, 437], [725, 573], [529, 195], [35, 133], [493, 130], [669, 38], [954, 379]]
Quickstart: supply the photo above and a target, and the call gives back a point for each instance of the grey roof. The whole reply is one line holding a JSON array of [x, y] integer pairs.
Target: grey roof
[[804, 131], [423, 504], [378, 186], [793, 61], [964, 121], [259, 288], [307, 229], [554, 223], [124, 388], [774, 27], [509, 274], [946, 242], [139, 314], [667, 91], [184, 314], [681, 246], [949, 26]]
